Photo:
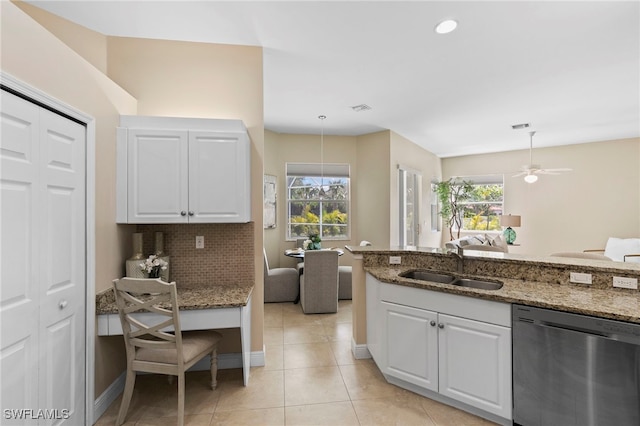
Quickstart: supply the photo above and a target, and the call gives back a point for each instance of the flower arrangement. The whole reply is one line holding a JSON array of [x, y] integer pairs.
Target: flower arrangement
[[153, 265], [313, 243]]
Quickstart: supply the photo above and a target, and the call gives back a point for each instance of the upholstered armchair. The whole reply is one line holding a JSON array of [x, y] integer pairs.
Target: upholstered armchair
[[280, 284], [319, 282]]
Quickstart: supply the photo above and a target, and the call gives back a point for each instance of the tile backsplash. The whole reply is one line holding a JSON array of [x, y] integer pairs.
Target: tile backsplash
[[227, 256]]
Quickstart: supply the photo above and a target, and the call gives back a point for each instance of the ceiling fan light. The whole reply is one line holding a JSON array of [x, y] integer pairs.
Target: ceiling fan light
[[446, 26], [530, 178]]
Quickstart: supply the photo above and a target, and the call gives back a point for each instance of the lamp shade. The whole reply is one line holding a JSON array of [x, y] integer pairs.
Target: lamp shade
[[510, 220]]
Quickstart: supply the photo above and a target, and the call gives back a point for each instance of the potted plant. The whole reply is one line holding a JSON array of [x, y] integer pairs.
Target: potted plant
[[450, 193]]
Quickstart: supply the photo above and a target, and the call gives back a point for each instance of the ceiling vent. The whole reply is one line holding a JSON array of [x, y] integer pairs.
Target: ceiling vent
[[361, 107], [521, 126]]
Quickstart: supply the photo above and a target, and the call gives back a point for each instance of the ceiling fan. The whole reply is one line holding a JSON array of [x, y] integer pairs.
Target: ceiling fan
[[531, 171]]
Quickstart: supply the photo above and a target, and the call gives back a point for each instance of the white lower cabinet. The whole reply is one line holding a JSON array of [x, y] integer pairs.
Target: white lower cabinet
[[455, 346], [475, 363]]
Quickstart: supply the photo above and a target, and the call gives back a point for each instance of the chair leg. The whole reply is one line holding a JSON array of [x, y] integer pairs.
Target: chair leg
[[214, 368], [181, 399], [126, 396]]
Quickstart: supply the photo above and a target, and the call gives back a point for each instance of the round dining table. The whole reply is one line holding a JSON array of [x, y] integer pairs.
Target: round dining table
[[299, 253]]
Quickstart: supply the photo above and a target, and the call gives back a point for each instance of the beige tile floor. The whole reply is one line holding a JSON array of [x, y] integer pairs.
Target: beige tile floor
[[310, 378]]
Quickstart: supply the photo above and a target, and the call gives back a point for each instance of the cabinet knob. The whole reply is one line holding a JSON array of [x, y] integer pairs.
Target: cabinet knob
[[440, 325], [191, 213], [62, 304], [183, 213], [433, 323]]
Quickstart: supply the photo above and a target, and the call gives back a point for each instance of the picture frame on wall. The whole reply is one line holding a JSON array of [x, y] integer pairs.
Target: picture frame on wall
[[269, 197]]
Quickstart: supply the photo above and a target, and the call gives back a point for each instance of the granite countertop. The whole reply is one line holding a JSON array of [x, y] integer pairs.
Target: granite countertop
[[612, 303], [193, 297]]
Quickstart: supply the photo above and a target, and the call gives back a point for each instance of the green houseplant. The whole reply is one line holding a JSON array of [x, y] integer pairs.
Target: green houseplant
[[450, 193]]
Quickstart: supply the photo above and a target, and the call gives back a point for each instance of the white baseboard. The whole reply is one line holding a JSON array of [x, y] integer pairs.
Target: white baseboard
[[107, 397], [360, 351], [225, 362], [257, 358]]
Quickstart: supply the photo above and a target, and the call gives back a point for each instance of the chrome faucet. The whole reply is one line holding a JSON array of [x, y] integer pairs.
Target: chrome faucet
[[458, 252]]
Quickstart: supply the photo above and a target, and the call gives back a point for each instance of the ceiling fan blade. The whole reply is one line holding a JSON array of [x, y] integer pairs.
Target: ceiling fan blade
[[553, 171], [520, 174]]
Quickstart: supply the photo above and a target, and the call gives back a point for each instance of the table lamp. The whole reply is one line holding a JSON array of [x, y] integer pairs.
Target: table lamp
[[509, 221]]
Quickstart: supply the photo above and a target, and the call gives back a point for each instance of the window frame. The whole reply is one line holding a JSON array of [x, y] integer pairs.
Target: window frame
[[324, 173], [483, 180]]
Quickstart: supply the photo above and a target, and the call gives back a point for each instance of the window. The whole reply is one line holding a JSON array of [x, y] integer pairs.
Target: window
[[482, 208], [318, 201]]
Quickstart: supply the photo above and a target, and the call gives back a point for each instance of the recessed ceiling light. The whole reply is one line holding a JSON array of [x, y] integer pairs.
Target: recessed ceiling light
[[445, 27]]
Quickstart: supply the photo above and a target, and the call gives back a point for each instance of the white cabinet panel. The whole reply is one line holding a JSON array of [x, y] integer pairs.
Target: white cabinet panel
[[374, 318], [413, 337], [218, 193], [475, 363], [411, 345], [157, 176], [180, 170]]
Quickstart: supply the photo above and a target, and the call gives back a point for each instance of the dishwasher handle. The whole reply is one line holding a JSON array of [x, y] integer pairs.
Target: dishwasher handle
[[603, 335]]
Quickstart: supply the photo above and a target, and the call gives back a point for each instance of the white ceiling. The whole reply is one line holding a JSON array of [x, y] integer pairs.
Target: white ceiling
[[570, 68]]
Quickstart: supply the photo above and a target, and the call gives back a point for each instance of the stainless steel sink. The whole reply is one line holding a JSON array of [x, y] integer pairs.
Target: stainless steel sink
[[428, 276], [481, 284], [451, 279]]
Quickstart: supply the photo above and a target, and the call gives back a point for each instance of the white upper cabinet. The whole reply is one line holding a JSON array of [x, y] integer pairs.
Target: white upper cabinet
[[183, 170]]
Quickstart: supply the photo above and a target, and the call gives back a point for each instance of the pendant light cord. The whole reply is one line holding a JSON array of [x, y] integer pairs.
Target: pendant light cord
[[322, 118]]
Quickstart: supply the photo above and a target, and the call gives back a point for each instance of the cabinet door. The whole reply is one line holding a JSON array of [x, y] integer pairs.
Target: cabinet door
[[157, 176], [475, 363], [219, 177], [410, 345]]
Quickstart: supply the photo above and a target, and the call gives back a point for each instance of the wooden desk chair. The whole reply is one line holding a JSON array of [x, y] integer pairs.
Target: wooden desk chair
[[151, 345]]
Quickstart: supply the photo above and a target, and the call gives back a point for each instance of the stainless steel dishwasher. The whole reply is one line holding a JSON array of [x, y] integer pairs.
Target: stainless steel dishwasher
[[571, 369]]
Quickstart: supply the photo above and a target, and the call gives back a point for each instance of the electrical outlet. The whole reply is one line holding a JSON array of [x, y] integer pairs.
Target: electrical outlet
[[625, 282], [200, 242], [394, 260], [580, 278]]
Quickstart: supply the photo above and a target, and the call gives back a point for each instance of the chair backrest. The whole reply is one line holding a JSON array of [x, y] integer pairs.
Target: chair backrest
[[140, 295], [618, 248], [321, 266]]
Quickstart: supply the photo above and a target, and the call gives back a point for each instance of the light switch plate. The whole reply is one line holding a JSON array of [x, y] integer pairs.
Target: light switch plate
[[394, 260], [625, 282], [580, 278], [200, 242]]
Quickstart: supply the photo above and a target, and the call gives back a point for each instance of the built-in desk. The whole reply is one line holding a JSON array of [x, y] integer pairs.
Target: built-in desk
[[201, 308]]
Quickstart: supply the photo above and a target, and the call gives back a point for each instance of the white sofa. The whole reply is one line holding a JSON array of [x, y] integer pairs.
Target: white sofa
[[484, 242]]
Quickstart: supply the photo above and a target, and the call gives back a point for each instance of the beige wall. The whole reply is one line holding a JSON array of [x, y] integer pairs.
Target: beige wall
[[288, 148], [573, 211], [79, 84], [272, 239], [91, 45], [180, 79], [407, 154], [372, 222], [167, 78]]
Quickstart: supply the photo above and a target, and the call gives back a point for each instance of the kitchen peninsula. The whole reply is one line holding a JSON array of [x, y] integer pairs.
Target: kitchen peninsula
[[453, 343], [202, 307]]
